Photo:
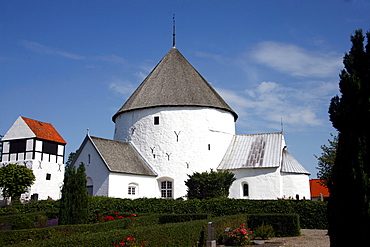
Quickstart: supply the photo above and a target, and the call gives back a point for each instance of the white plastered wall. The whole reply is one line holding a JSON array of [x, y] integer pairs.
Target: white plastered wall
[[96, 170], [186, 140], [263, 183], [119, 183], [296, 184]]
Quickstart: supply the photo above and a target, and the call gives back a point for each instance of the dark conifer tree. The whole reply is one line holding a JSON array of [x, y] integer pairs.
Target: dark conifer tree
[[74, 202], [349, 202]]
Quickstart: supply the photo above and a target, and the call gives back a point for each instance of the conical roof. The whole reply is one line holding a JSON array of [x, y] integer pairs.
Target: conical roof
[[174, 82]]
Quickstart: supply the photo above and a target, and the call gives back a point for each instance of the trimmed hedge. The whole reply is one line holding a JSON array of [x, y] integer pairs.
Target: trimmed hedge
[[15, 237], [147, 228], [285, 225], [175, 218], [181, 234], [32, 216], [313, 214]]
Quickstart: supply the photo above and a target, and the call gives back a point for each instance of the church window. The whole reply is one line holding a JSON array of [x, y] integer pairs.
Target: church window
[[132, 189], [156, 120], [166, 189], [209, 146], [245, 190], [88, 159], [48, 176]]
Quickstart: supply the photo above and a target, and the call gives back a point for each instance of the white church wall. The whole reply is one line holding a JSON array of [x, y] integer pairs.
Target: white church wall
[[119, 183], [95, 169], [186, 139], [263, 183], [296, 184]]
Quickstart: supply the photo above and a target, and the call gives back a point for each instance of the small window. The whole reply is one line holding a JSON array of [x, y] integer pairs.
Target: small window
[[209, 146], [156, 120], [132, 189], [166, 189], [48, 176], [245, 190], [89, 159]]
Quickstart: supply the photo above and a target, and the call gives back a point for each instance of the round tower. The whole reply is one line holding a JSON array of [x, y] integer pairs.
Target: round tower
[[177, 122]]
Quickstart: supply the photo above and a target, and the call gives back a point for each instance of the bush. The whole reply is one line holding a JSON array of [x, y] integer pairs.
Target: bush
[[264, 231], [22, 222], [7, 210], [284, 225]]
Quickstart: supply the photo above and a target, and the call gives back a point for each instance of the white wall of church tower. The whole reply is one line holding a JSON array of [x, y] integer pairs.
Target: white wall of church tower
[[177, 141]]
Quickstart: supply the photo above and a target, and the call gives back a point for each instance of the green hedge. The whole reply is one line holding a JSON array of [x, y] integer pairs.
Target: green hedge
[[285, 225], [32, 216], [175, 218], [312, 213], [14, 237], [147, 228], [181, 234]]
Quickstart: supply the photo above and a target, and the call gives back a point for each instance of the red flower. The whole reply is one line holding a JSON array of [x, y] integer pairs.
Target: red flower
[[133, 215], [121, 217], [115, 212]]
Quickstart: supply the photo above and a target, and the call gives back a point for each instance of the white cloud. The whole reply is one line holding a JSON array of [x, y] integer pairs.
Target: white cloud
[[39, 48], [267, 103], [122, 87], [296, 61]]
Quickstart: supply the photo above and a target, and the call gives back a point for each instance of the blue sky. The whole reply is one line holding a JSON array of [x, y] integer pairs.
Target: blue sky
[[74, 63]]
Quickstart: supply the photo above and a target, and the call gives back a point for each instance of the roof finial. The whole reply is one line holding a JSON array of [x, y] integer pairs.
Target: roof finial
[[282, 125], [173, 32]]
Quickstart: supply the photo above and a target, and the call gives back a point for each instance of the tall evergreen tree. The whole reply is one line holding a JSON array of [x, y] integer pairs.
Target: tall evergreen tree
[[74, 202], [349, 202]]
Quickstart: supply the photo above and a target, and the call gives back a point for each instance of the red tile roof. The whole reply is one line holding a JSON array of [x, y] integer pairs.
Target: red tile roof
[[317, 188], [44, 131]]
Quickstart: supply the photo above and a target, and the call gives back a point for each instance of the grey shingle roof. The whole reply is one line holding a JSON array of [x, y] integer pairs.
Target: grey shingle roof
[[174, 82], [253, 151], [121, 157], [291, 165]]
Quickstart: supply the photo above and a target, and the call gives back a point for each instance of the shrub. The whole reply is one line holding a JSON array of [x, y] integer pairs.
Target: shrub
[[23, 222], [7, 210], [284, 225], [264, 231]]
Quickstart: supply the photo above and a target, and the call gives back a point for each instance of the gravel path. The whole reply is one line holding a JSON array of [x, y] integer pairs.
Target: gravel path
[[309, 238]]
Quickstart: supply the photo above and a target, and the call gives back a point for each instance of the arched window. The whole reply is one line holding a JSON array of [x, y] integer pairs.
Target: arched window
[[245, 188], [90, 186], [133, 189], [166, 189]]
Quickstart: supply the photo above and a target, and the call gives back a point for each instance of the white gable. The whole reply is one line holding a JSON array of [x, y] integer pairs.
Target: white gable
[[19, 130]]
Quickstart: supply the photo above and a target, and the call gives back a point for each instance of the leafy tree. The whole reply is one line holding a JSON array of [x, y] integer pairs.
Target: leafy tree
[[326, 162], [15, 180], [208, 185], [74, 202], [349, 202]]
